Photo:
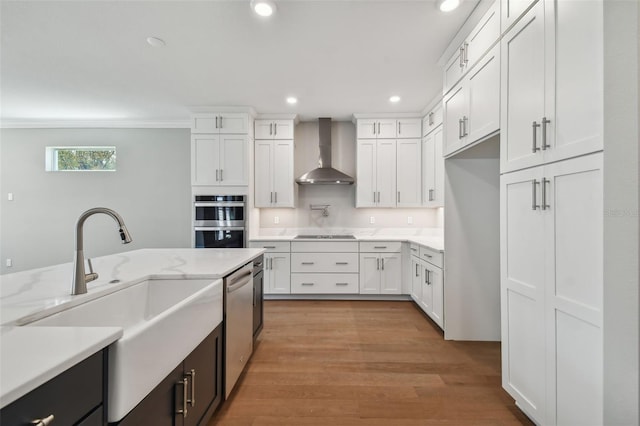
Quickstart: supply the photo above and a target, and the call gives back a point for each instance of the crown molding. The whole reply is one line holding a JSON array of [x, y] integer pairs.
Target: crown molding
[[95, 124]]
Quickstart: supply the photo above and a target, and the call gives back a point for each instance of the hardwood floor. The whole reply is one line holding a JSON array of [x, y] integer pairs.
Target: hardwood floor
[[365, 363]]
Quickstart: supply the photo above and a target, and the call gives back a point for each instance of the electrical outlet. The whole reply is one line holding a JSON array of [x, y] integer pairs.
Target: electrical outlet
[[409, 220], [9, 263], [10, 196], [276, 219], [372, 219]]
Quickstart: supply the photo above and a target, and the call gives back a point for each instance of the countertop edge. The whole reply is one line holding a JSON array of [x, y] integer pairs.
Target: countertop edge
[[405, 239]]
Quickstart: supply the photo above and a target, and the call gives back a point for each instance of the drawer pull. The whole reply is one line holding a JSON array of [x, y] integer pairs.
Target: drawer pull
[[342, 284], [428, 255], [379, 247], [192, 374], [308, 263], [269, 247], [43, 422], [184, 383], [307, 284], [414, 249], [342, 263]]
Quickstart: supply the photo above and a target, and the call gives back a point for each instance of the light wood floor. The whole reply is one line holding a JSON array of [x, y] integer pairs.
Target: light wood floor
[[365, 363]]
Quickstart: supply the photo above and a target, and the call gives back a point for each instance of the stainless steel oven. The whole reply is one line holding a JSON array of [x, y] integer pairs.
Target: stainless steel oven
[[219, 221]]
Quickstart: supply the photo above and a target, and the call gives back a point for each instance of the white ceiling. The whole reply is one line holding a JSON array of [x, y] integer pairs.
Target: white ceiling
[[89, 60]]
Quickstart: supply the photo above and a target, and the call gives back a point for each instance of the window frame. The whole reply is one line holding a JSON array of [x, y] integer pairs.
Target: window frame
[[52, 157]]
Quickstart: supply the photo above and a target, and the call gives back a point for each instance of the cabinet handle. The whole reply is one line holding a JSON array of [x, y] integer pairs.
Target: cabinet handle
[[43, 422], [377, 264], [460, 135], [378, 128], [183, 411], [428, 277], [545, 121], [430, 119], [545, 181], [374, 196], [342, 263], [535, 126], [379, 247], [399, 128], [462, 56], [378, 196], [254, 297], [465, 51], [383, 263], [414, 249], [374, 128], [275, 196], [221, 124], [342, 284], [428, 256], [192, 374], [275, 129], [270, 129], [534, 194], [465, 121], [417, 272], [221, 178], [216, 121], [271, 197], [269, 247], [307, 284], [308, 263], [271, 263], [431, 194]]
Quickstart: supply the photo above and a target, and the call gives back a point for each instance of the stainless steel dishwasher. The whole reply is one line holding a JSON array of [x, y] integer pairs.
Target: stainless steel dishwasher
[[238, 323]]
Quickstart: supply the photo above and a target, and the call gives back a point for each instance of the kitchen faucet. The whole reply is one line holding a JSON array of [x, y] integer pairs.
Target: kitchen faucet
[[80, 279]]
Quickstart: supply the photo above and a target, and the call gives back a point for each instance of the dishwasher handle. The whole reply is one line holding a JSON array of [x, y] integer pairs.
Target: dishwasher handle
[[239, 278]]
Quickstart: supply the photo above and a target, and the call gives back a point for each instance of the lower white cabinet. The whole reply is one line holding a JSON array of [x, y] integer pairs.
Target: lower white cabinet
[[427, 282], [277, 273], [380, 273], [552, 290], [324, 283], [324, 267], [416, 279]]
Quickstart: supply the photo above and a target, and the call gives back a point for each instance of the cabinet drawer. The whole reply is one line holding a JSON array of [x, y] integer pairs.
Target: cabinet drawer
[[432, 256], [324, 262], [272, 246], [69, 396], [324, 283], [324, 246], [414, 249], [380, 246]]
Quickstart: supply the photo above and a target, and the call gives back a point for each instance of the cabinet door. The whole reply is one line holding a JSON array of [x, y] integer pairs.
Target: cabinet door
[[366, 128], [390, 273], [483, 84], [436, 282], [263, 168], [522, 266], [280, 273], [283, 129], [233, 163], [409, 128], [455, 110], [432, 120], [233, 123], [523, 92], [512, 10], [369, 273], [366, 190], [283, 183], [574, 296], [263, 129], [205, 160], [454, 69], [408, 166], [427, 290], [416, 280], [428, 170], [438, 168], [386, 173], [483, 35], [386, 129], [203, 368]]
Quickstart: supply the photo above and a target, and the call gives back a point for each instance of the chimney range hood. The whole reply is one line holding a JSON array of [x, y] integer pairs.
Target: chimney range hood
[[325, 174]]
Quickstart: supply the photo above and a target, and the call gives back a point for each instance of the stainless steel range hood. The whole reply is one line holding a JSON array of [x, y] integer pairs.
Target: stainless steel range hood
[[325, 174]]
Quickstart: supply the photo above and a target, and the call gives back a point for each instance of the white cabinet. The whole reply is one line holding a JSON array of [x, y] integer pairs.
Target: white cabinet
[[409, 128], [551, 290], [274, 183], [376, 173], [432, 120], [433, 292], [273, 129], [408, 173], [512, 10], [481, 38], [219, 159], [324, 267], [217, 123], [416, 279], [433, 169], [380, 268], [552, 85], [376, 128], [277, 266], [472, 108]]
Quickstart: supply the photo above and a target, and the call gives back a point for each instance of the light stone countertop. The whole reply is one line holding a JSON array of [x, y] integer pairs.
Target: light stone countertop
[[30, 356]]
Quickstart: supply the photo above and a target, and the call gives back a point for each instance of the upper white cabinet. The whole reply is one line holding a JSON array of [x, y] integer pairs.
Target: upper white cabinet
[[376, 173], [408, 173], [552, 58], [273, 129], [512, 10], [433, 169], [481, 38], [432, 120], [219, 160], [376, 128], [227, 123], [274, 184], [472, 107]]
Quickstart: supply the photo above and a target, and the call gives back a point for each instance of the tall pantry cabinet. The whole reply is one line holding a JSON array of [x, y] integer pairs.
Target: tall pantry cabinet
[[551, 192]]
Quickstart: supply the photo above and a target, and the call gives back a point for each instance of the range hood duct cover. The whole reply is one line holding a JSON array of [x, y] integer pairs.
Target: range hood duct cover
[[325, 174]]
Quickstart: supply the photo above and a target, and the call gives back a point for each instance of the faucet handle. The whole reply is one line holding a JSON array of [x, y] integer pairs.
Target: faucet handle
[[90, 266], [91, 276]]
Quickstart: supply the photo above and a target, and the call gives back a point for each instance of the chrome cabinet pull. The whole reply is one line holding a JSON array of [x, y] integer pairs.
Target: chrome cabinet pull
[[221, 126], [462, 56], [431, 194], [378, 128], [430, 119], [534, 195], [342, 284], [269, 247], [308, 263], [417, 272], [545, 121], [414, 249], [426, 276], [183, 411], [465, 121], [192, 374], [43, 422], [307, 283], [216, 121], [383, 263], [399, 128], [460, 135], [275, 194], [535, 126], [374, 128], [271, 197], [378, 196], [221, 178], [378, 264], [379, 247], [275, 128], [270, 129], [428, 256], [465, 51], [342, 263], [545, 181]]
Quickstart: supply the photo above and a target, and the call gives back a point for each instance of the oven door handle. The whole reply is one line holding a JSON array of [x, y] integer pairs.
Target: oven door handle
[[218, 228], [218, 204]]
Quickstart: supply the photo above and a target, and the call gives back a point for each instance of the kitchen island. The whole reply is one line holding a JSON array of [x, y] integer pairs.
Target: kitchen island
[[29, 296]]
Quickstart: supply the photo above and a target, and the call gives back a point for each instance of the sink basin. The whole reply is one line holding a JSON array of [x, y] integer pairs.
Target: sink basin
[[325, 237], [163, 320]]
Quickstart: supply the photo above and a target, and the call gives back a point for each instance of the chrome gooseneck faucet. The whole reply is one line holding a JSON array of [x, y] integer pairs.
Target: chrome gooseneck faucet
[[80, 279]]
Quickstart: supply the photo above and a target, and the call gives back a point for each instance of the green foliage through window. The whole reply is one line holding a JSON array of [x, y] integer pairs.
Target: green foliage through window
[[81, 158]]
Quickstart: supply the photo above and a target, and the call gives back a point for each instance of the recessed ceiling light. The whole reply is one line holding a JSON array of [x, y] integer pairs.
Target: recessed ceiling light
[[155, 41], [394, 99], [292, 100], [448, 5], [263, 7]]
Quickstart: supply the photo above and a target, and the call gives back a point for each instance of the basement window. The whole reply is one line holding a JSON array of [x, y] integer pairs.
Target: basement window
[[80, 158]]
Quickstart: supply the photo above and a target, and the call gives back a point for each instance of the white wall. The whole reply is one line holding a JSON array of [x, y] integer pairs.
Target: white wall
[[343, 213], [150, 189]]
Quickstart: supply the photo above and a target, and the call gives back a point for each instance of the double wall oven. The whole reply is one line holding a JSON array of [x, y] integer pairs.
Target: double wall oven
[[219, 221]]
